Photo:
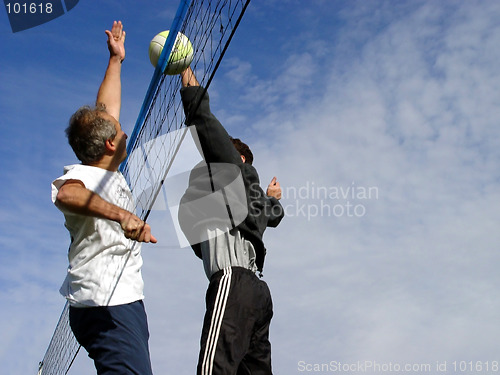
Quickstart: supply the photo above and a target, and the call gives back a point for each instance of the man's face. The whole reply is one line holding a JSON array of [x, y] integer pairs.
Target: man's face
[[120, 140]]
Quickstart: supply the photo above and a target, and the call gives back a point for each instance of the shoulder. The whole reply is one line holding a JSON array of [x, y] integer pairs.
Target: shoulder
[[91, 177]]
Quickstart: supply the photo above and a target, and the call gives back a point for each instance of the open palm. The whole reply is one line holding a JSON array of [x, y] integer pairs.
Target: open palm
[[116, 40]]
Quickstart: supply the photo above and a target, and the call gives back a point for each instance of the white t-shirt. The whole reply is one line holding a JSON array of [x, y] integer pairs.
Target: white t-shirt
[[104, 266]]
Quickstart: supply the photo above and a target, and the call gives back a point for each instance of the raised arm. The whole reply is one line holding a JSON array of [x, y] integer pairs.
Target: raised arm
[[74, 197], [215, 142], [110, 90]]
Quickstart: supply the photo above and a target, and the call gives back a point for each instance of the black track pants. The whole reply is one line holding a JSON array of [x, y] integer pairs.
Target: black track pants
[[235, 335]]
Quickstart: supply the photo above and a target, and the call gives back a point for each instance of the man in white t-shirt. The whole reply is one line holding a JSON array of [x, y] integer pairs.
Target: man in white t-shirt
[[104, 284]]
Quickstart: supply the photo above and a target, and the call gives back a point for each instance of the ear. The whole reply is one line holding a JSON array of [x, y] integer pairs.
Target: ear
[[243, 158], [110, 145]]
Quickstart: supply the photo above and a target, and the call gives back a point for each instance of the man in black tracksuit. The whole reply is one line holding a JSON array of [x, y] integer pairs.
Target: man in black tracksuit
[[224, 214]]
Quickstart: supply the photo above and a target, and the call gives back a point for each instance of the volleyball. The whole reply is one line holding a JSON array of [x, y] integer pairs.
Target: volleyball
[[180, 57]]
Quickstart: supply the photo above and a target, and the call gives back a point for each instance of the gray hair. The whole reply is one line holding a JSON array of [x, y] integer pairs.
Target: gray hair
[[88, 132]]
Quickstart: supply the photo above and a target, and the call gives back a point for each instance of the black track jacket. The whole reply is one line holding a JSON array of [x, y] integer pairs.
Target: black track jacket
[[217, 147]]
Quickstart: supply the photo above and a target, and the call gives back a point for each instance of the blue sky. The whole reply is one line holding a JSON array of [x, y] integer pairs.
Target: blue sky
[[337, 99]]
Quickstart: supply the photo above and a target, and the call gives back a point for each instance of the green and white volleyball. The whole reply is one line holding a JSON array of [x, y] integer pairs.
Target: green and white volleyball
[[180, 57]]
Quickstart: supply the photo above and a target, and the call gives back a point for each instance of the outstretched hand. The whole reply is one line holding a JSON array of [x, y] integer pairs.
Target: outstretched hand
[[274, 189], [116, 40]]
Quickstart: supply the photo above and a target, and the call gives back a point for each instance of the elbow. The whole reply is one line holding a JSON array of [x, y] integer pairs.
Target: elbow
[[62, 197], [275, 221], [277, 213], [68, 195], [72, 197]]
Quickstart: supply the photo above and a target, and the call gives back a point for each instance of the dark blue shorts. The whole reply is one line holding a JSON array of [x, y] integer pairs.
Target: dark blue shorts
[[115, 337]]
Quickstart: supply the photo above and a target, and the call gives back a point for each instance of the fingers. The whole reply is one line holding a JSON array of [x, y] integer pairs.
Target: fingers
[[142, 234], [117, 33], [137, 230], [145, 235], [274, 189], [117, 30], [274, 183], [153, 239], [116, 40]]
